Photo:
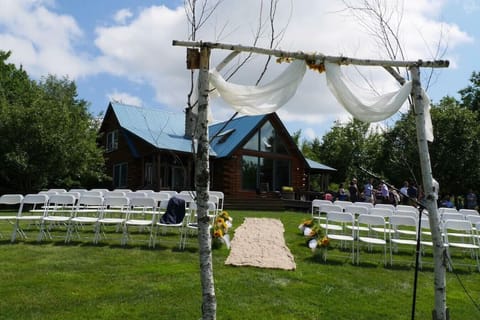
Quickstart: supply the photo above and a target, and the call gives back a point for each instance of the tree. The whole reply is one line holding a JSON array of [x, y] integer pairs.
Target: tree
[[348, 146], [48, 138], [470, 96]]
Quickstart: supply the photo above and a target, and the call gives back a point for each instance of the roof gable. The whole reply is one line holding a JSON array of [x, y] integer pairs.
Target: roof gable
[[233, 134]]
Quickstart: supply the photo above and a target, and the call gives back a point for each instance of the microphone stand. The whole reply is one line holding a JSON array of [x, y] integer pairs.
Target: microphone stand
[[417, 252]]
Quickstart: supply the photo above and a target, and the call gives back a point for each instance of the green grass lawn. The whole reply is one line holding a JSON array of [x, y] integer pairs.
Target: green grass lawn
[[52, 280]]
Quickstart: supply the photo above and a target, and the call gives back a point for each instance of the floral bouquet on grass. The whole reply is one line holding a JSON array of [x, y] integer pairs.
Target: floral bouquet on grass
[[221, 225], [316, 238]]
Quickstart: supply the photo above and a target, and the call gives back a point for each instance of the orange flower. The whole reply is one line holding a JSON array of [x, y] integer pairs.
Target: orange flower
[[325, 241]]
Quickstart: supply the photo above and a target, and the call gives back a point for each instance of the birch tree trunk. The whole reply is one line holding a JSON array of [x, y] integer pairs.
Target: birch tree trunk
[[202, 183], [440, 311]]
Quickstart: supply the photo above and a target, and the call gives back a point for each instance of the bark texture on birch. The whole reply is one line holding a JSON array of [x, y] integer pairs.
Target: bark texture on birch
[[440, 311], [202, 181]]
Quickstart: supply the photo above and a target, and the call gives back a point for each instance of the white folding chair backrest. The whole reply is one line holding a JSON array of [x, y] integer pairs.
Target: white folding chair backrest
[[118, 202], [61, 202], [451, 216], [406, 213], [171, 193], [102, 191], [11, 199], [357, 210], [81, 191], [38, 201], [341, 217], [110, 194], [467, 212], [316, 203], [135, 194], [474, 219], [342, 203], [330, 207], [390, 207], [221, 199], [384, 212], [187, 197], [443, 210], [86, 202], [397, 221], [143, 203], [147, 191], [368, 205], [404, 207], [92, 193], [57, 190], [122, 190]]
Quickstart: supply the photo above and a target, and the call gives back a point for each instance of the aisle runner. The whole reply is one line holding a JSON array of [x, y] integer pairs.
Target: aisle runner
[[259, 242]]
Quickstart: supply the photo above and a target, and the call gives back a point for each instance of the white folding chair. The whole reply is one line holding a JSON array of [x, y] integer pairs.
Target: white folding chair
[[372, 237], [339, 227], [191, 226], [321, 214], [459, 234], [141, 215], [89, 210], [178, 225], [60, 210], [31, 211], [384, 212], [12, 203], [405, 233], [221, 199], [114, 214], [316, 203]]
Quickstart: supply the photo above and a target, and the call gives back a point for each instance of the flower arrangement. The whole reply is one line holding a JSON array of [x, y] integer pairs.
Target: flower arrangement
[[221, 225], [314, 234]]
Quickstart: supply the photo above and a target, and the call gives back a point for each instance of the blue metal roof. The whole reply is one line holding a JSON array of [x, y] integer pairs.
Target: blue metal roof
[[315, 165], [233, 133], [160, 128]]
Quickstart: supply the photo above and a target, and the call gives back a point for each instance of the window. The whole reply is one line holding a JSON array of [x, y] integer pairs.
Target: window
[[120, 175], [265, 174], [148, 173], [112, 141], [249, 172], [266, 140]]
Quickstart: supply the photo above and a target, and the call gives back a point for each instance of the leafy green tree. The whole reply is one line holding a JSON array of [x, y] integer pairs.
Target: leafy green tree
[[455, 152], [48, 138], [470, 96], [347, 147]]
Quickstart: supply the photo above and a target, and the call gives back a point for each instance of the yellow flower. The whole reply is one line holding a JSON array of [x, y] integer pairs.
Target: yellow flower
[[324, 242], [218, 233]]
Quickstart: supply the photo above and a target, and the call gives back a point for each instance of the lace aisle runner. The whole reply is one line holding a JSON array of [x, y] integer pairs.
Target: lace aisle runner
[[259, 242]]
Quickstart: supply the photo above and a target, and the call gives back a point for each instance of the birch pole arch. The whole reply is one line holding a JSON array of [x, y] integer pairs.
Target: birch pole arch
[[322, 63]]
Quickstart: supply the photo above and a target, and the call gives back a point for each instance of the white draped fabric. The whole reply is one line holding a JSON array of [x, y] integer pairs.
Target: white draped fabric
[[255, 100], [381, 108]]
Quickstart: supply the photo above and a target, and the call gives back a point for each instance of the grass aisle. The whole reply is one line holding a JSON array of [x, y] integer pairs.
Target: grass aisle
[[82, 281]]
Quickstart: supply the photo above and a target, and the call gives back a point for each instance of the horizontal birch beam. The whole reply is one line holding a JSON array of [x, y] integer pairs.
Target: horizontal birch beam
[[313, 58]]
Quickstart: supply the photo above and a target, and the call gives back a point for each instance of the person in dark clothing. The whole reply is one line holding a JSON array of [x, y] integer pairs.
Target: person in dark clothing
[[353, 190]]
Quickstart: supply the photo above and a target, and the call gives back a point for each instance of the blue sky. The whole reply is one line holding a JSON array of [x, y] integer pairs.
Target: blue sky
[[121, 49]]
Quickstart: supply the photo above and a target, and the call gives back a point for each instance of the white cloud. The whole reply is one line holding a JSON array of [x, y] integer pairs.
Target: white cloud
[[126, 98], [122, 15], [40, 39]]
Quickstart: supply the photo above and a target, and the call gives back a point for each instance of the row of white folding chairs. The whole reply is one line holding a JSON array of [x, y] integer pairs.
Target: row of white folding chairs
[[94, 210], [400, 230], [317, 204], [63, 208]]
